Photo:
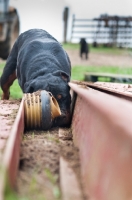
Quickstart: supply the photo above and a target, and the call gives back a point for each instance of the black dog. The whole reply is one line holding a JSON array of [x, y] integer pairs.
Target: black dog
[[39, 62], [84, 48]]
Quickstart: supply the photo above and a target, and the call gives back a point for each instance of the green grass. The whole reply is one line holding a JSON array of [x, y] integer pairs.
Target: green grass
[[100, 49], [53, 179], [79, 71], [77, 74], [1, 67], [15, 91], [72, 46]]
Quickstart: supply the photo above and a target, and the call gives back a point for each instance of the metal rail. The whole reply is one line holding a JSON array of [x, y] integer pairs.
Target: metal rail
[[10, 157], [102, 129], [115, 89]]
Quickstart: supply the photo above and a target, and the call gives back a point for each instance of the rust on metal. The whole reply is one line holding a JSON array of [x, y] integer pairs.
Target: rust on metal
[[102, 129], [69, 184], [117, 89], [6, 117], [10, 155]]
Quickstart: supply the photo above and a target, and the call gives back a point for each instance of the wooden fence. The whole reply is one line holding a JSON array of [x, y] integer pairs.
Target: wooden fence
[[107, 30]]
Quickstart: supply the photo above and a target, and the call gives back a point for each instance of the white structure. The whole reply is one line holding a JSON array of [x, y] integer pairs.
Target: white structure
[[48, 14]]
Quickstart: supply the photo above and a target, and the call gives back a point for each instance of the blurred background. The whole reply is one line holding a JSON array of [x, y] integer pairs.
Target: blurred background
[[48, 14], [97, 35], [106, 26]]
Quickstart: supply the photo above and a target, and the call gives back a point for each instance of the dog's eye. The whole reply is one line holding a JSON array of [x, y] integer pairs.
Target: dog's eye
[[59, 96]]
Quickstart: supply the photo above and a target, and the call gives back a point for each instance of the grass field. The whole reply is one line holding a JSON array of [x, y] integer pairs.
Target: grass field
[[78, 71], [100, 49]]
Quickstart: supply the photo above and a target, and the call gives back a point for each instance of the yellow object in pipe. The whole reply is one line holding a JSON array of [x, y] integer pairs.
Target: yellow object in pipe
[[55, 109], [33, 110]]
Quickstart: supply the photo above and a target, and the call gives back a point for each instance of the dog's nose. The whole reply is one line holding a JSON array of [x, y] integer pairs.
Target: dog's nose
[[63, 116], [63, 119]]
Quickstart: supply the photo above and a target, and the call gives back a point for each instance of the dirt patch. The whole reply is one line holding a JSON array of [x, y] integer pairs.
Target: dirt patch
[[38, 175], [8, 112], [100, 59]]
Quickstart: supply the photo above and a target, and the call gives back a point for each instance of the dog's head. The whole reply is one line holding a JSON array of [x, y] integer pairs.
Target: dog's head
[[83, 41], [57, 84]]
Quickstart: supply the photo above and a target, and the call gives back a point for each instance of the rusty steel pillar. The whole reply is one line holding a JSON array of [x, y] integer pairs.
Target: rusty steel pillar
[[102, 129]]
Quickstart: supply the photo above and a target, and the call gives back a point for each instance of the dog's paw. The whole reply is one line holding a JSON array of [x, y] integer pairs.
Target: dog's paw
[[5, 96]]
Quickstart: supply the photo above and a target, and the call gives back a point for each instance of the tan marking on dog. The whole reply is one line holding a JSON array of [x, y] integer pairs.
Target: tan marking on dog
[[6, 86]]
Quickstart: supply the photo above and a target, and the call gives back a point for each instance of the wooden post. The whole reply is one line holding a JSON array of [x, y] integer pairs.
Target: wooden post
[[65, 18], [6, 5], [72, 29]]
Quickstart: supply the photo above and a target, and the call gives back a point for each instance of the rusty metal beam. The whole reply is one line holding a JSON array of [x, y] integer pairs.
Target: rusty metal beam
[[107, 87], [70, 187], [117, 89], [10, 157], [102, 129]]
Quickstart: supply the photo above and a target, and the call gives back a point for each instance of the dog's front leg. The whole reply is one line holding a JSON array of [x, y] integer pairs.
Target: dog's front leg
[[9, 73], [6, 86]]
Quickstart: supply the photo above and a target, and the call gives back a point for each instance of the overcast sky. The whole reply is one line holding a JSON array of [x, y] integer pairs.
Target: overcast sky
[[48, 14]]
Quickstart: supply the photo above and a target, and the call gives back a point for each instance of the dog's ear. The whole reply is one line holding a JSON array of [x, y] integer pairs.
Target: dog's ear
[[63, 75]]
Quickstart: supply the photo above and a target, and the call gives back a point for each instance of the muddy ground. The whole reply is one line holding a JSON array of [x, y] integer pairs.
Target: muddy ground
[[39, 170], [8, 112], [123, 59], [101, 59]]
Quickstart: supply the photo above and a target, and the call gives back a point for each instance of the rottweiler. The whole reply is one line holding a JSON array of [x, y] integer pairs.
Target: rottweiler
[[39, 62], [84, 48]]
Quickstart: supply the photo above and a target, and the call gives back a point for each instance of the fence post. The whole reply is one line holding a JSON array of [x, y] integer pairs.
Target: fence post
[[65, 18], [73, 20]]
